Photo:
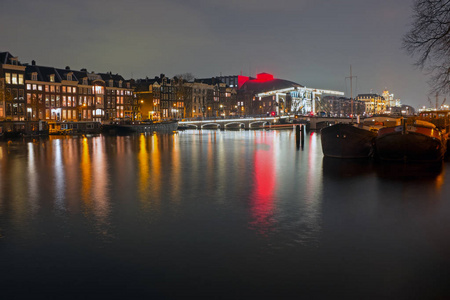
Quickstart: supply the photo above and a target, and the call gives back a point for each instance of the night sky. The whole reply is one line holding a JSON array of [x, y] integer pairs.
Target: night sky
[[311, 42]]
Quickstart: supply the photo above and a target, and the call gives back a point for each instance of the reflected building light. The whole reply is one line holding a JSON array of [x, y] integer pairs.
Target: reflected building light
[[440, 180], [262, 208], [59, 175], [176, 169], [86, 175], [100, 182], [143, 165], [156, 170], [32, 178]]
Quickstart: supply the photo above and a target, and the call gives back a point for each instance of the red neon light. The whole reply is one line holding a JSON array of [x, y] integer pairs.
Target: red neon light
[[264, 77], [242, 80]]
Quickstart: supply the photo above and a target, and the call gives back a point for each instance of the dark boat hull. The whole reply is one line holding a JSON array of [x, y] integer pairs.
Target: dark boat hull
[[140, 127], [347, 141], [409, 146]]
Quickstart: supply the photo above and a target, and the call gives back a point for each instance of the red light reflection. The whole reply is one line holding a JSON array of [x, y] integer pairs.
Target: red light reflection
[[264, 185]]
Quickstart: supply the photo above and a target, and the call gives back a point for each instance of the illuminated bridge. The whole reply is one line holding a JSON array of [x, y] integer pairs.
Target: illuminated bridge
[[235, 123], [313, 122]]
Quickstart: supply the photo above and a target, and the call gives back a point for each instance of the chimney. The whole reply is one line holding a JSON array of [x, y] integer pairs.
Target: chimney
[[67, 68], [33, 62]]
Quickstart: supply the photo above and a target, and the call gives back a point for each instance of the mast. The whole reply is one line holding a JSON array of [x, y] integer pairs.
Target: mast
[[351, 90]]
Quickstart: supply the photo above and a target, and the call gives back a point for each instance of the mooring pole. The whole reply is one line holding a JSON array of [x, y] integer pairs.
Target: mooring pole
[[303, 135], [297, 136]]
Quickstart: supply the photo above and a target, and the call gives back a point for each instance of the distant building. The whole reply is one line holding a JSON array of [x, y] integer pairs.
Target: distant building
[[334, 106], [202, 95], [12, 88], [392, 102], [221, 98], [267, 95], [143, 90], [33, 92], [375, 104]]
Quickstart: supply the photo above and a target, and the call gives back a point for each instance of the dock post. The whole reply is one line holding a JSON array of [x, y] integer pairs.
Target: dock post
[[303, 134], [297, 136]]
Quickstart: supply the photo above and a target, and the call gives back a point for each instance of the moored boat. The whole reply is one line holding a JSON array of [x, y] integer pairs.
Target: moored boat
[[136, 126], [74, 127], [353, 140], [347, 141], [19, 129], [415, 141]]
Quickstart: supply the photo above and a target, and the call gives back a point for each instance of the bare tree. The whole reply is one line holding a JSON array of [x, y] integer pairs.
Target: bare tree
[[188, 77], [429, 38]]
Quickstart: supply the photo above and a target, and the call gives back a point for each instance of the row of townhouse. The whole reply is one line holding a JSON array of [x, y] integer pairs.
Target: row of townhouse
[[32, 92], [174, 98]]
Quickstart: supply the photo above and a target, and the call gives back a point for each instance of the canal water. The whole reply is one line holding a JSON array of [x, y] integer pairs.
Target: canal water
[[217, 215]]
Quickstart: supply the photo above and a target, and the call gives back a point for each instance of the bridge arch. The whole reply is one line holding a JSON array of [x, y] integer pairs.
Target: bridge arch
[[192, 125], [262, 122], [211, 124], [234, 123]]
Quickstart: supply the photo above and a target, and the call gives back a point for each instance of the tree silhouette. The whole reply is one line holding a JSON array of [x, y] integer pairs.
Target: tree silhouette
[[429, 38]]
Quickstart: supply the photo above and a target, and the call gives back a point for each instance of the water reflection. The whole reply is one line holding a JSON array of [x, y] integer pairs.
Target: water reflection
[[394, 170], [144, 169], [86, 180], [32, 179], [175, 159], [264, 184], [312, 215], [156, 173], [60, 179], [100, 178], [346, 168], [208, 207]]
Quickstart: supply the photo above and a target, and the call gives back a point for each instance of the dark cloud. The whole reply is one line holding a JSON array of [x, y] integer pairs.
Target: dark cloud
[[310, 42]]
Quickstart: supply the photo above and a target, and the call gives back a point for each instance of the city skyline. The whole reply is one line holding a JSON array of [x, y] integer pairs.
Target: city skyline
[[312, 43]]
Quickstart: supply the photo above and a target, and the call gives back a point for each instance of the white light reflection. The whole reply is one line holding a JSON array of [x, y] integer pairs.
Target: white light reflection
[[313, 198], [59, 176], [99, 176], [32, 179]]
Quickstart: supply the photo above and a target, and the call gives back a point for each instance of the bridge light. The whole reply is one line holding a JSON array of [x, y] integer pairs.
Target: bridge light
[[273, 114]]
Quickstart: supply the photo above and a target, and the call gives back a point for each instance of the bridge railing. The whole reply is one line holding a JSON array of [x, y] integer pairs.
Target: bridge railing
[[230, 118]]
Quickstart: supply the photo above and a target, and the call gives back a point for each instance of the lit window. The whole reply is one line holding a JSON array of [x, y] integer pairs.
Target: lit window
[[20, 78], [39, 87], [98, 89], [52, 77], [8, 78], [14, 78], [28, 86]]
